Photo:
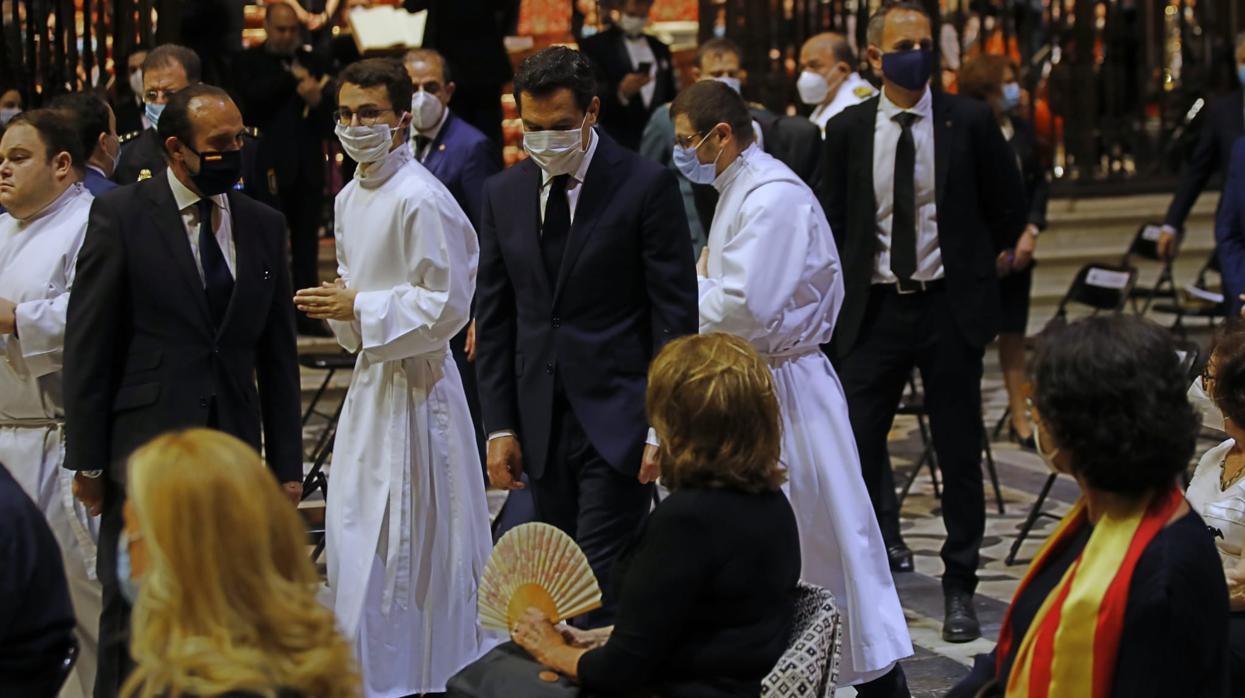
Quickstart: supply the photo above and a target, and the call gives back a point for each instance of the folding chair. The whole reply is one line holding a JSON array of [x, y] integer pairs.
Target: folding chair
[[1145, 246], [331, 363], [913, 404], [1209, 310], [1103, 288]]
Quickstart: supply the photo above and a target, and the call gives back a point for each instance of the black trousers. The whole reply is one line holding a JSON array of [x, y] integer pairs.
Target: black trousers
[[582, 494], [114, 620], [1236, 653], [900, 332], [303, 207]]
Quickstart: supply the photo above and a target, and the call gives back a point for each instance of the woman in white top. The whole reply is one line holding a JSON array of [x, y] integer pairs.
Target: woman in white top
[[1217, 490]]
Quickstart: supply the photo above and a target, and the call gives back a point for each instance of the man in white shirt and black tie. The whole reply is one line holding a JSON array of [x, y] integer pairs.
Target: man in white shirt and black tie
[[922, 196]]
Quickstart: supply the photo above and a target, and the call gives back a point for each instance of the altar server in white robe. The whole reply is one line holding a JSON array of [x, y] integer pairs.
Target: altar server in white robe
[[771, 275], [407, 521], [40, 235]]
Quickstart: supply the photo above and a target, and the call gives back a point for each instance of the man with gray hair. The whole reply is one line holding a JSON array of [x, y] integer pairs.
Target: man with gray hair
[[1222, 125], [828, 79]]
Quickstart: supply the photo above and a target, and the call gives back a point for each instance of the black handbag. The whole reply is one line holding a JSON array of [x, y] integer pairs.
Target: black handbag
[[508, 671]]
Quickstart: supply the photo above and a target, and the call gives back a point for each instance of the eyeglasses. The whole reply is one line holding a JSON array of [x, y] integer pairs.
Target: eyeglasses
[[1208, 378], [152, 95], [687, 141], [367, 115]]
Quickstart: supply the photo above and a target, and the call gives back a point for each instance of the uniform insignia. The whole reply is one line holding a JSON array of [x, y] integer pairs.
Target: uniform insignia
[[128, 137], [863, 91], [251, 131], [143, 174]]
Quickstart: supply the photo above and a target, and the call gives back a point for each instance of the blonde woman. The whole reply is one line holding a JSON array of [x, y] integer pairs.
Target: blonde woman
[[218, 574]]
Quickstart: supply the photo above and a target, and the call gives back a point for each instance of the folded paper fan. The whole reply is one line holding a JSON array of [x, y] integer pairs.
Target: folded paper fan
[[536, 565]]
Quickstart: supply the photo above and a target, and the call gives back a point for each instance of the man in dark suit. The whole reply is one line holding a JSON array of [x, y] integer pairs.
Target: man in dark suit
[[1222, 125], [585, 272], [1230, 231], [462, 157], [922, 194], [97, 131], [181, 316], [635, 72], [284, 91]]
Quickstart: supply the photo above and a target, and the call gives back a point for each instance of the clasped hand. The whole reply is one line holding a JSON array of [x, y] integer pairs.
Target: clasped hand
[[331, 301]]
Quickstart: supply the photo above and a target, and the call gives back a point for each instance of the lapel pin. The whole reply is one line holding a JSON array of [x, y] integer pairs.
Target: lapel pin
[[442, 148]]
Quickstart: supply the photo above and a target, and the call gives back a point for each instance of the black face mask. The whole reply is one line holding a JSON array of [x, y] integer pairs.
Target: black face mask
[[218, 171]]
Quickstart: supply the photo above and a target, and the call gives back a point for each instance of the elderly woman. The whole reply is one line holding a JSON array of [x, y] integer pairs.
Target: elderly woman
[[1127, 597], [214, 560], [705, 591]]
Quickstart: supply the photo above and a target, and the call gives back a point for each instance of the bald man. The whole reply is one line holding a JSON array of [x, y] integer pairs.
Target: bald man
[[828, 79]]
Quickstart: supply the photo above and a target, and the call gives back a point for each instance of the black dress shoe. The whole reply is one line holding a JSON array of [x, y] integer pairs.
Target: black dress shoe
[[960, 622], [900, 557]]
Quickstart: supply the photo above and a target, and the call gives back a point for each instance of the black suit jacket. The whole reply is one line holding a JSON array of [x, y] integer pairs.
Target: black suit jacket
[[609, 55], [981, 210], [1223, 124], [1033, 170], [627, 286], [142, 356]]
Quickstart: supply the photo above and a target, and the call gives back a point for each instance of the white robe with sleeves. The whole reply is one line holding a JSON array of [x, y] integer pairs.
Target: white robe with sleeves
[[774, 279], [407, 522], [37, 261]]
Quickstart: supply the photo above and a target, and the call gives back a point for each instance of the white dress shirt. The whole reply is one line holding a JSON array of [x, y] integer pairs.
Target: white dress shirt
[[886, 133], [640, 52], [854, 90], [573, 184], [222, 225]]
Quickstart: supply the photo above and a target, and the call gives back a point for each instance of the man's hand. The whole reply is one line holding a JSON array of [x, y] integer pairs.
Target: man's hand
[[332, 301], [8, 316], [505, 463], [702, 264], [1168, 243], [314, 22], [311, 91], [631, 84], [470, 345], [1003, 263], [89, 491], [294, 491], [1025, 245], [650, 465]]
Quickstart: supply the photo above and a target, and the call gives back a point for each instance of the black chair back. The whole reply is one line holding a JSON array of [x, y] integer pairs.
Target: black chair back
[[1098, 286], [1145, 243]]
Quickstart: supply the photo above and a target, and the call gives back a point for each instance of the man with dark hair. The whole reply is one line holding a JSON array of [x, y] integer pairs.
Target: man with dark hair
[[462, 157], [922, 194], [166, 69], [181, 316], [585, 273], [771, 275], [828, 79], [635, 70], [40, 235], [401, 563], [285, 91], [789, 139], [97, 131]]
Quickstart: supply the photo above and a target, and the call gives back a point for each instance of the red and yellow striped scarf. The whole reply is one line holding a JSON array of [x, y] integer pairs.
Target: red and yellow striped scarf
[[1071, 646]]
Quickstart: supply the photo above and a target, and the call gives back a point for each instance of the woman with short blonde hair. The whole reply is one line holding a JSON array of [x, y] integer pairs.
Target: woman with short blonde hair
[[705, 592], [225, 598]]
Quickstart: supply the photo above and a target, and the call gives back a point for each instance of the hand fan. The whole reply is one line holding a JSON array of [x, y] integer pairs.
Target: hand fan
[[536, 565]]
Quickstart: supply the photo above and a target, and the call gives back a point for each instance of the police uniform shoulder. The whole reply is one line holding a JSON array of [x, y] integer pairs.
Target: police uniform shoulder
[[251, 131], [864, 91], [126, 138]]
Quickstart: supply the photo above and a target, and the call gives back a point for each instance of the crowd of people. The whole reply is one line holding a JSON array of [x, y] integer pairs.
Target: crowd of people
[[674, 286]]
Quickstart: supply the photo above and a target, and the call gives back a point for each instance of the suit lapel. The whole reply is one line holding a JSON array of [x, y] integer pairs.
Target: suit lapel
[[866, 127], [527, 211], [171, 231], [587, 209], [246, 247], [943, 125], [435, 154]]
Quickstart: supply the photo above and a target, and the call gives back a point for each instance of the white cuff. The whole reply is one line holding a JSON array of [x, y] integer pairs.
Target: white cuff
[[651, 439], [500, 434]]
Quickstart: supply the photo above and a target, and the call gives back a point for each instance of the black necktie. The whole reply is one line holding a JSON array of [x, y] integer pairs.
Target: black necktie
[[421, 143], [217, 281], [903, 215], [556, 228]]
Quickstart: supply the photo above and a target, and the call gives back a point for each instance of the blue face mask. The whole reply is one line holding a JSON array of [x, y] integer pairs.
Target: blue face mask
[[125, 580], [1011, 96], [1240, 73], [153, 111], [909, 69], [690, 166]]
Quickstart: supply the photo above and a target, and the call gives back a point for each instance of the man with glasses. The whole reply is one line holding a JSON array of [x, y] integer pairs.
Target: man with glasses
[[180, 316], [283, 89], [407, 525]]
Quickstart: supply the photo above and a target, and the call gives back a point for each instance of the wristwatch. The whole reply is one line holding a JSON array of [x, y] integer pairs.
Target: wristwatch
[[91, 474]]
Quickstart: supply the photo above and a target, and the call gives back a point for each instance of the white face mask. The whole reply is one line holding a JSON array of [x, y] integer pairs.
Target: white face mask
[[6, 115], [557, 152], [1212, 417], [1047, 458], [365, 144], [812, 87], [425, 111], [136, 82], [114, 157], [632, 26]]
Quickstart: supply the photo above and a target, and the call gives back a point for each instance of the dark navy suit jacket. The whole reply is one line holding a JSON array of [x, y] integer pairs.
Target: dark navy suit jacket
[[97, 183], [627, 285], [462, 158], [1230, 229]]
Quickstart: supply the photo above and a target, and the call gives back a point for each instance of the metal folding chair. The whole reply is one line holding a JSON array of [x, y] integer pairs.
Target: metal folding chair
[[1209, 310], [1145, 247], [331, 364]]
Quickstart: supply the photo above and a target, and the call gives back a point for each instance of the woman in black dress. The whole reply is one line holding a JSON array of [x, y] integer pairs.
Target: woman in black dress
[[706, 590]]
